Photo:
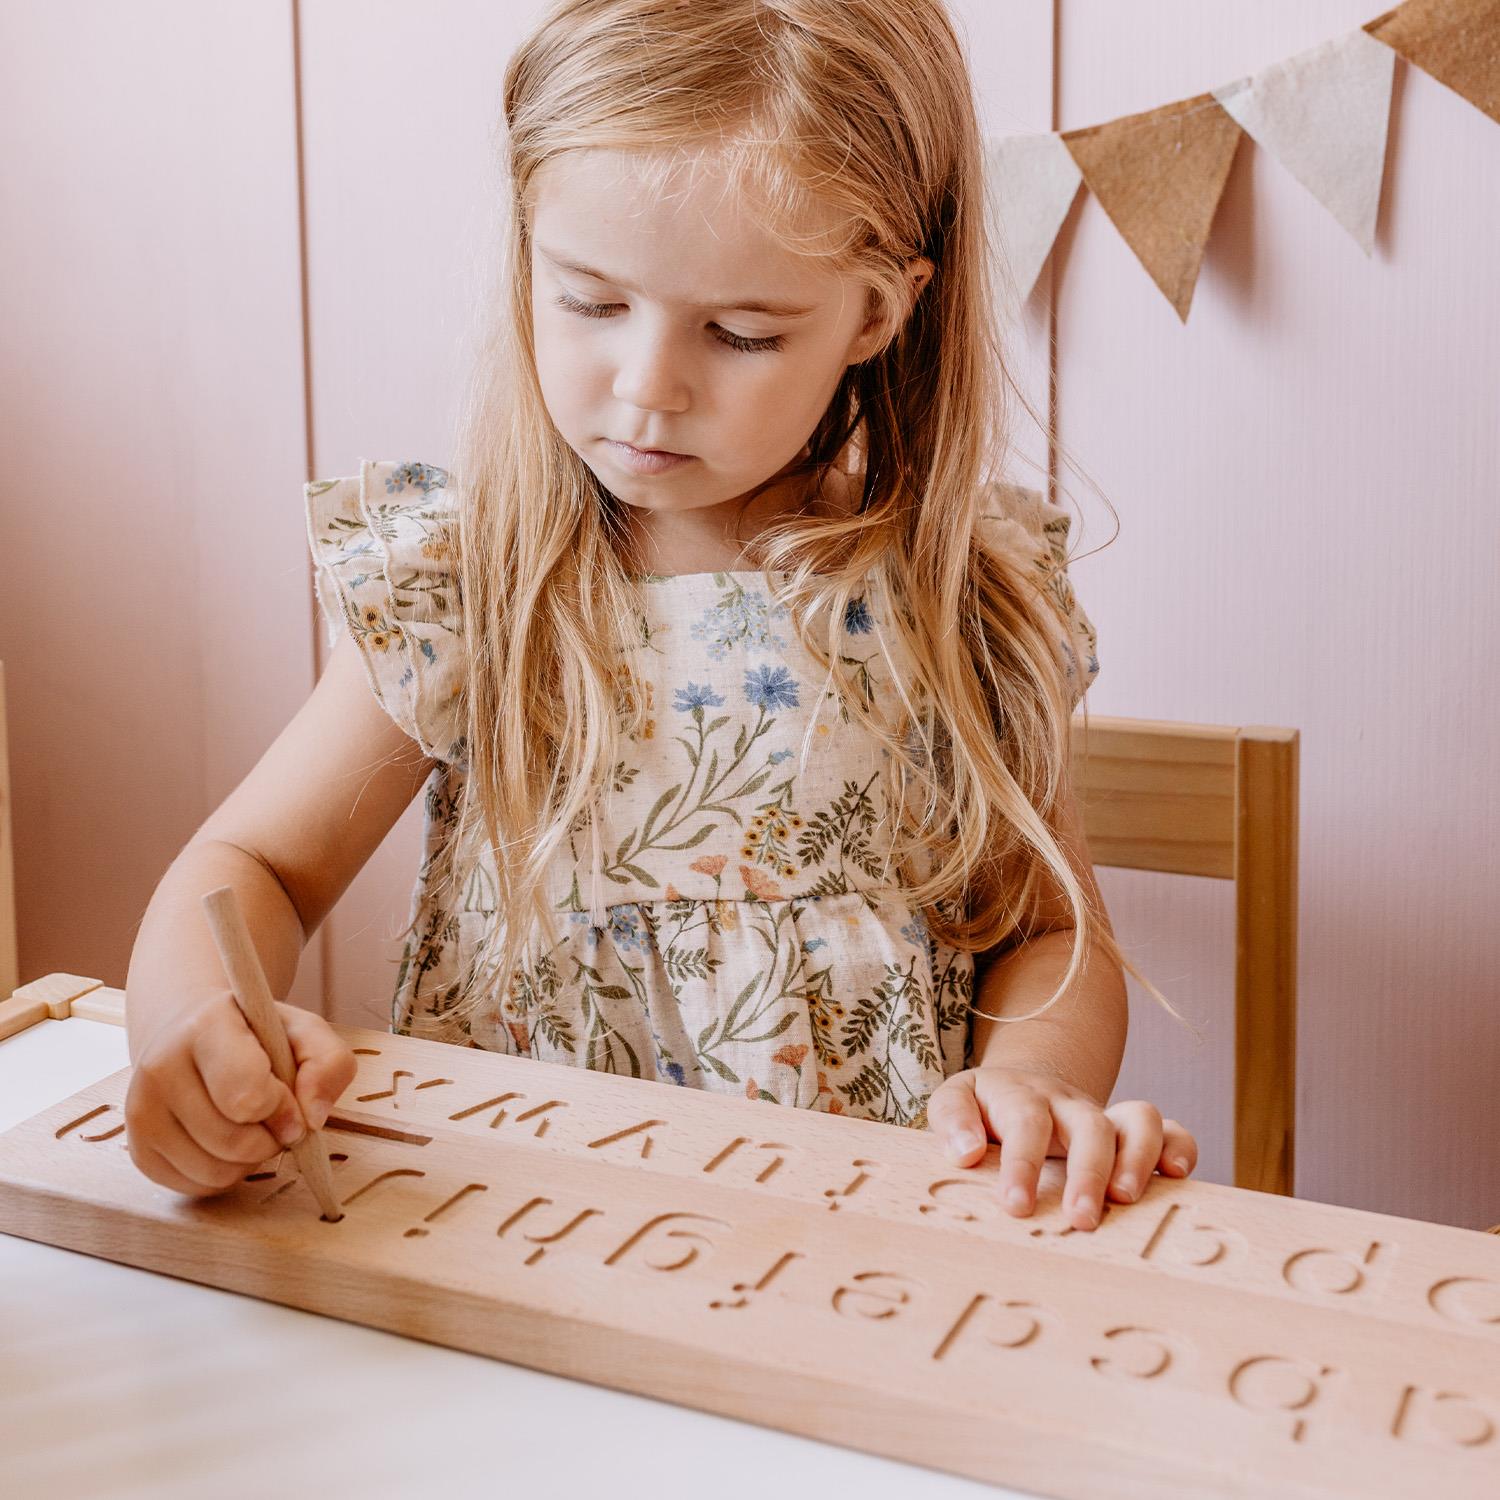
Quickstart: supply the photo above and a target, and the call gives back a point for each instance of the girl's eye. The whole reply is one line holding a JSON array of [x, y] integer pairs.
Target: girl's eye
[[733, 340]]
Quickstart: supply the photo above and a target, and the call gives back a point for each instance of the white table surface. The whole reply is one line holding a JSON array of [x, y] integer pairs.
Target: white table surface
[[118, 1382]]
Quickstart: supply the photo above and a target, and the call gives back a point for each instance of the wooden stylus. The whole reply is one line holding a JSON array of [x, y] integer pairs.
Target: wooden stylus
[[253, 995]]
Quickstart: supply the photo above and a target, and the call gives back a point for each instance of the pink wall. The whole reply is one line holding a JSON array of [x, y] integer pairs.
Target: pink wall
[[1306, 480], [1306, 538], [156, 622]]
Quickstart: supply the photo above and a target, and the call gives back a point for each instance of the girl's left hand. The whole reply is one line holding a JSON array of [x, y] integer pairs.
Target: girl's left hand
[[1034, 1115]]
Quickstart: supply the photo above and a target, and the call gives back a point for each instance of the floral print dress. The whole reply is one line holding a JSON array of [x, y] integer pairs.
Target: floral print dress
[[734, 926]]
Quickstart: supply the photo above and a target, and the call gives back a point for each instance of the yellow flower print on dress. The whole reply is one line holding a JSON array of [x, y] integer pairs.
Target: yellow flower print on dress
[[630, 691], [766, 838]]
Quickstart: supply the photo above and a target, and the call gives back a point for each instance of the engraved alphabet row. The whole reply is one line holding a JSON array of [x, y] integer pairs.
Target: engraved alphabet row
[[1292, 1391], [1173, 1236]]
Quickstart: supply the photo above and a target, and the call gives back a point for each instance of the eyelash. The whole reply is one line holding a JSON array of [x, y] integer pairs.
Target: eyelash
[[770, 345]]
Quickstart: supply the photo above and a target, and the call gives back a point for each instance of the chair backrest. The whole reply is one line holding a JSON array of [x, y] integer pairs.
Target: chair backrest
[[1209, 799], [10, 974]]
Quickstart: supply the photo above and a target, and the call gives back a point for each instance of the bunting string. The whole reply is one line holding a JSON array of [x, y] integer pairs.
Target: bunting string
[[1160, 174]]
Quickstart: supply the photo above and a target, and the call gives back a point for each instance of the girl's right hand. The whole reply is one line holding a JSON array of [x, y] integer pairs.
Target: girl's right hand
[[204, 1105]]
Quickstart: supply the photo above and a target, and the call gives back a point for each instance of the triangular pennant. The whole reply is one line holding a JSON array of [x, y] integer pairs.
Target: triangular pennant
[[1033, 180], [1323, 115], [1159, 176], [1457, 41]]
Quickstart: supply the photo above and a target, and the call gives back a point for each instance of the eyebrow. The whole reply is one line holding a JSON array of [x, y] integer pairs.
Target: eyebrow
[[733, 304]]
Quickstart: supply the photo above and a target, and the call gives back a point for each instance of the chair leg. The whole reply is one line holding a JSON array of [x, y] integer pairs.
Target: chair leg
[[1265, 989]]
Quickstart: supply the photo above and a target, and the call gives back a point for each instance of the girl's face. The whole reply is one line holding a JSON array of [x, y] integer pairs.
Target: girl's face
[[673, 322]]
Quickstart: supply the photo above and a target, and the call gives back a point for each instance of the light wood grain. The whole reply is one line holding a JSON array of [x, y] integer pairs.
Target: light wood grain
[[51, 997], [1221, 801], [104, 1004], [836, 1278]]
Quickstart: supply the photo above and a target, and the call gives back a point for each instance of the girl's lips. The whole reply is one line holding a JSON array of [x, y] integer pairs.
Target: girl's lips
[[669, 452], [652, 461]]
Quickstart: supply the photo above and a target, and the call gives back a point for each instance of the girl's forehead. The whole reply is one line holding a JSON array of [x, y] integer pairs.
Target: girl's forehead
[[677, 171], [747, 188], [608, 211]]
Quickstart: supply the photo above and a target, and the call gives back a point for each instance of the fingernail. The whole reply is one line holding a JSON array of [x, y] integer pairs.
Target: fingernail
[[1126, 1185], [318, 1115], [1177, 1163], [1085, 1205], [288, 1132], [965, 1141], [1016, 1198]]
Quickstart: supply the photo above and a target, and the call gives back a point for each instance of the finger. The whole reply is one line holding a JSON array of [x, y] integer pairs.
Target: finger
[[326, 1064], [1179, 1150], [227, 1139], [155, 1166], [150, 1122], [1019, 1118], [234, 1067], [1090, 1138], [954, 1115], [1138, 1139], [208, 1173]]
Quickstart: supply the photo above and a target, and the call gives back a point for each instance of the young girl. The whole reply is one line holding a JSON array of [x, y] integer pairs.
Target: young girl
[[739, 689]]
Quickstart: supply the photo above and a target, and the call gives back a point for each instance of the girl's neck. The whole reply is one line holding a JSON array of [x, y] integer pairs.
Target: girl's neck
[[684, 547]]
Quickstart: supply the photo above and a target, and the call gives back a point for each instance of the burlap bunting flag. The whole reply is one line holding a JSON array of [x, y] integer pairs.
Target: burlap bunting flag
[[1457, 41], [1159, 176]]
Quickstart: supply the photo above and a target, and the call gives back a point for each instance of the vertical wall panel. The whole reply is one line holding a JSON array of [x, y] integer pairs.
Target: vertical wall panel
[[155, 620], [399, 106], [1010, 54]]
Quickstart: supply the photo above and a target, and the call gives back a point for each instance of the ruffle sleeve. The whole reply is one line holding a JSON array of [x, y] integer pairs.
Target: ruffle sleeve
[[385, 550], [1033, 532]]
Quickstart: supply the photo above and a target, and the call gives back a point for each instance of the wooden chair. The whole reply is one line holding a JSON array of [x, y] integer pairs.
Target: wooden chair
[[1208, 799]]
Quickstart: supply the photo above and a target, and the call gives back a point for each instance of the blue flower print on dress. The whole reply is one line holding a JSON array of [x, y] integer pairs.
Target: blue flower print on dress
[[915, 931], [857, 617], [424, 477], [771, 688], [624, 924], [627, 928], [590, 932], [693, 696], [741, 617]]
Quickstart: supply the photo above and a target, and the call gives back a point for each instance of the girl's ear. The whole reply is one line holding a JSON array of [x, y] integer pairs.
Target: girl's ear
[[919, 272]]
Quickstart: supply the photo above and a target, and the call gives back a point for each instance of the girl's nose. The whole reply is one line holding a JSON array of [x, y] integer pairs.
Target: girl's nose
[[651, 375]]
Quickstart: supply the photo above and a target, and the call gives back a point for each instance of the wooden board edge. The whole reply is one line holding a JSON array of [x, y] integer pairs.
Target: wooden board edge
[[799, 1401], [59, 997]]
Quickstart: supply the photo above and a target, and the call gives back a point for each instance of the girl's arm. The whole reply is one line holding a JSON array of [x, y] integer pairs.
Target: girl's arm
[[1082, 1038], [1041, 1086], [174, 960], [290, 838]]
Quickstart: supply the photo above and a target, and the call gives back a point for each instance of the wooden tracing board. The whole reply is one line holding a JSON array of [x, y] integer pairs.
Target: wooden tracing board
[[836, 1278]]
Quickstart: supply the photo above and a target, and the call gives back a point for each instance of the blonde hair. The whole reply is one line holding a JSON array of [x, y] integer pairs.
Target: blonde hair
[[858, 114]]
